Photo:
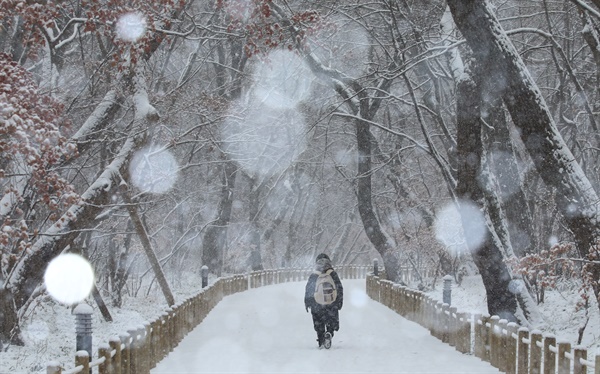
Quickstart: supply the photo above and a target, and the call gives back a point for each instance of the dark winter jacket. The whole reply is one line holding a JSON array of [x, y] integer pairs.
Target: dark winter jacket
[[309, 299]]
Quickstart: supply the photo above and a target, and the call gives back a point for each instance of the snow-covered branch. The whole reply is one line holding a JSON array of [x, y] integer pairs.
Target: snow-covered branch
[[578, 86], [143, 109], [28, 272], [587, 7], [423, 147], [98, 116], [53, 40], [448, 28]]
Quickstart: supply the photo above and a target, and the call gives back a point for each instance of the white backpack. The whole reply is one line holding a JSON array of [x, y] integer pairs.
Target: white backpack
[[325, 290]]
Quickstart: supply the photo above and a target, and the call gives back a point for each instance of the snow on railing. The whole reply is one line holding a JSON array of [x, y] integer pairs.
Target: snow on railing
[[142, 347], [506, 346]]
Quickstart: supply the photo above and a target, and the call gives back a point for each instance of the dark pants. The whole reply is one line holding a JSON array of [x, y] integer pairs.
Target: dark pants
[[325, 319]]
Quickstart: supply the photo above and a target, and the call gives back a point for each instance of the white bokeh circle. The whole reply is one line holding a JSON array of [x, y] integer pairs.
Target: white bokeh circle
[[153, 169], [283, 80], [131, 26], [460, 227], [69, 278]]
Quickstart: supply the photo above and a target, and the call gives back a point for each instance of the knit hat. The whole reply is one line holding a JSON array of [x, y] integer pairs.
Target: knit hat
[[323, 255], [323, 263]]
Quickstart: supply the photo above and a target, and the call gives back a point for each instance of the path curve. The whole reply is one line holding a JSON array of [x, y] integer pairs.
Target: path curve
[[267, 330]]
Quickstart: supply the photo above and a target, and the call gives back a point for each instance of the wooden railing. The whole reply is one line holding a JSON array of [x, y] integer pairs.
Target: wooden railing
[[506, 346], [142, 347]]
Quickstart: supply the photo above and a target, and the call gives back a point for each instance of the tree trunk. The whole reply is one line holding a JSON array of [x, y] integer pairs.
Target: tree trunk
[[507, 77], [216, 233], [487, 255], [9, 321], [297, 215], [502, 158], [29, 271], [365, 204], [255, 259], [286, 206], [143, 236], [121, 271]]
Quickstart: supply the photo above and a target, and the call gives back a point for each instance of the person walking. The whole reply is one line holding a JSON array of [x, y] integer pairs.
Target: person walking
[[324, 297]]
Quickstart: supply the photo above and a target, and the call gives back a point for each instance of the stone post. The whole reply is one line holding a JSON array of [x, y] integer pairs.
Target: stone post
[[447, 292], [204, 274], [83, 328]]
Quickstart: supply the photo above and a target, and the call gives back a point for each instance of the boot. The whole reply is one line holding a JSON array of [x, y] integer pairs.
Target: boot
[[327, 341], [320, 340]]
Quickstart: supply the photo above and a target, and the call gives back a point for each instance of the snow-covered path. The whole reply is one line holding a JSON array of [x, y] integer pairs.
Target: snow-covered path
[[267, 330]]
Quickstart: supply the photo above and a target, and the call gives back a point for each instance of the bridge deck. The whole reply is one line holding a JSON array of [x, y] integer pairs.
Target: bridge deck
[[266, 330]]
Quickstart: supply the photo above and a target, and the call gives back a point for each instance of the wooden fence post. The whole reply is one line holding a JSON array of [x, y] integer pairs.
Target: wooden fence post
[[147, 360], [164, 334], [104, 352], [384, 293], [170, 330], [413, 310], [445, 323], [438, 320], [157, 338], [523, 350], [189, 315], [549, 354], [421, 311], [133, 351], [564, 363], [494, 339], [579, 353], [419, 296], [392, 296], [464, 333], [435, 305], [178, 323], [535, 352], [126, 354], [480, 339], [502, 351], [53, 367], [511, 347], [278, 276], [115, 345], [429, 313], [82, 358], [452, 325]]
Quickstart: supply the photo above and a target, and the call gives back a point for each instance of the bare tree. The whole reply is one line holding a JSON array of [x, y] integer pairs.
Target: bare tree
[[507, 78]]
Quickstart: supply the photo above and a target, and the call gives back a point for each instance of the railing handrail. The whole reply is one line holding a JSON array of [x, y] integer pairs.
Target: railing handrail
[[506, 346]]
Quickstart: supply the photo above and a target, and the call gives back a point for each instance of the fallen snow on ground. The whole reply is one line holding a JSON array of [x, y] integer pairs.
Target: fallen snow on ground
[[49, 328], [267, 330], [559, 313]]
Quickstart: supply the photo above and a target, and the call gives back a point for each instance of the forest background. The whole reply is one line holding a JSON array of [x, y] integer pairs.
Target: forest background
[[156, 137]]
